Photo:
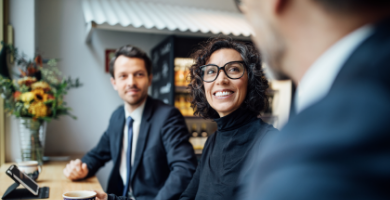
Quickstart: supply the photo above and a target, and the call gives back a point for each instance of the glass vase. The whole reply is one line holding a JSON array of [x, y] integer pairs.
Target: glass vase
[[32, 139]]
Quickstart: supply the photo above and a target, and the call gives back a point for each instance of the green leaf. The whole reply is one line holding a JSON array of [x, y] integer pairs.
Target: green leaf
[[50, 74], [48, 102]]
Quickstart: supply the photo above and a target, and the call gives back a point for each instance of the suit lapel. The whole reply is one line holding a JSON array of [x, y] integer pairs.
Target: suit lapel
[[118, 135], [143, 135]]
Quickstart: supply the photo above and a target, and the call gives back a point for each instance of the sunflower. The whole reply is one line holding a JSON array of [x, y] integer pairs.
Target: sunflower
[[38, 109], [40, 95], [40, 85], [27, 97]]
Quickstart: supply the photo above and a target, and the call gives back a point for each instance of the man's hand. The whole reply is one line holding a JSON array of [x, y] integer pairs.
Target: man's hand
[[100, 195], [76, 170]]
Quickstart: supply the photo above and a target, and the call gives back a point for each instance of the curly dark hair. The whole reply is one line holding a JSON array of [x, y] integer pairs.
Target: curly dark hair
[[255, 100]]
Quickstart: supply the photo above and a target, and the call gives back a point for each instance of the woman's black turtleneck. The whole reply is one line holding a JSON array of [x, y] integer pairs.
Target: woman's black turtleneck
[[224, 155]]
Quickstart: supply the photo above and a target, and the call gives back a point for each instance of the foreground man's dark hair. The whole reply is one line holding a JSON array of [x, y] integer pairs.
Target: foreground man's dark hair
[[353, 5]]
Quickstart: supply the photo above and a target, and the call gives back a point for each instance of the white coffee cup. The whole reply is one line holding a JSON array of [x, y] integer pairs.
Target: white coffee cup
[[31, 168], [79, 195]]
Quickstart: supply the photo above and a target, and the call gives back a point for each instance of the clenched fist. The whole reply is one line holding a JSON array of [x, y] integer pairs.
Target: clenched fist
[[76, 170]]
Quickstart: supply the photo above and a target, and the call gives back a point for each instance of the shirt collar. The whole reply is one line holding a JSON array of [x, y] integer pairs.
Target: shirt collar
[[136, 115], [319, 78]]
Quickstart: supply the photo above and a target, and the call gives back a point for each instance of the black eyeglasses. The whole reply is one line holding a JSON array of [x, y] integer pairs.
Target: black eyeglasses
[[233, 70]]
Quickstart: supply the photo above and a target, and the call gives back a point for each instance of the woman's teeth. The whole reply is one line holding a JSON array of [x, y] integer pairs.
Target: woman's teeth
[[224, 93]]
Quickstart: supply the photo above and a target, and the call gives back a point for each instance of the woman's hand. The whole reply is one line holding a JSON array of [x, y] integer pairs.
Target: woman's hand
[[100, 195]]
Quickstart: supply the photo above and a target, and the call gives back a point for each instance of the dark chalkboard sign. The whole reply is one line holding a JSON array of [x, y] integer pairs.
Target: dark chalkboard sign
[[163, 74]]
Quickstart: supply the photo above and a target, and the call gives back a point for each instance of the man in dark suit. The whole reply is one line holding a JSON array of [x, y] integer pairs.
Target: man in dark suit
[[146, 139], [337, 146]]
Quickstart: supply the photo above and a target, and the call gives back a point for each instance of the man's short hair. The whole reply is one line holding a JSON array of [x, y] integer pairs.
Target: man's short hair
[[354, 5], [131, 52]]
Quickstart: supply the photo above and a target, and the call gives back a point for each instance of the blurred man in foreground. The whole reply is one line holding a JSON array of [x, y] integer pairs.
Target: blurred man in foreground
[[337, 146], [146, 139]]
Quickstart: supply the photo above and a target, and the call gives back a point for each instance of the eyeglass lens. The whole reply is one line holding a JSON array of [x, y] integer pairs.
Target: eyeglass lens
[[232, 70]]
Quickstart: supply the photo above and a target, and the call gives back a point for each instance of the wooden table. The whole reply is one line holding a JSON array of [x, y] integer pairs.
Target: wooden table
[[53, 177]]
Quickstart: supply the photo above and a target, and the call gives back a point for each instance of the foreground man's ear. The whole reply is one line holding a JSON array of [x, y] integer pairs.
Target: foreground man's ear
[[279, 6]]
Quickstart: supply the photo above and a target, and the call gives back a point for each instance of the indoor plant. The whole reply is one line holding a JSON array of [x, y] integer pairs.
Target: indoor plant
[[35, 96]]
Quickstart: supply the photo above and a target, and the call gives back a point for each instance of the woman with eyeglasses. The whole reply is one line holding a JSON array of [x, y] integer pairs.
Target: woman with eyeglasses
[[228, 86]]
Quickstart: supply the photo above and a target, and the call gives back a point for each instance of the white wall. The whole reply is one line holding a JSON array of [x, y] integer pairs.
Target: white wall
[[22, 18]]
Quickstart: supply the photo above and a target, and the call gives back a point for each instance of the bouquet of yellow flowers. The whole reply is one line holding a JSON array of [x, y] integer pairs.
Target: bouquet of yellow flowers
[[38, 90]]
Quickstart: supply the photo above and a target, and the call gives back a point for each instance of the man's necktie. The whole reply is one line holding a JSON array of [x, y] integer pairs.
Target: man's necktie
[[129, 123]]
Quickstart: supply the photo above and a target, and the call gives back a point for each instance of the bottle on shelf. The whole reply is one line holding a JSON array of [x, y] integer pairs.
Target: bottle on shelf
[[189, 110], [179, 75], [177, 69], [270, 103], [186, 73], [203, 135], [177, 102], [194, 139], [182, 105], [182, 71]]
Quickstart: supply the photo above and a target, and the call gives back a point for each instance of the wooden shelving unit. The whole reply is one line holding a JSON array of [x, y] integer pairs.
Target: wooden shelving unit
[[182, 89]]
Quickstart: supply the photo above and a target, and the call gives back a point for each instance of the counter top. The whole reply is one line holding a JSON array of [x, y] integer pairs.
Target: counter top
[[52, 177]]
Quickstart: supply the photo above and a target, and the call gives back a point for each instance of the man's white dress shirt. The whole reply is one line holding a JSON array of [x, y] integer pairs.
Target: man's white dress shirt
[[319, 78], [136, 115]]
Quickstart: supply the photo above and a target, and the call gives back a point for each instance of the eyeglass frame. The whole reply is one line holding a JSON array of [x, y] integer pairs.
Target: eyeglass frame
[[223, 68]]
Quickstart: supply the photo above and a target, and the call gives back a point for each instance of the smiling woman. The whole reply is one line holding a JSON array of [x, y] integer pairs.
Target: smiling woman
[[228, 86], [231, 55]]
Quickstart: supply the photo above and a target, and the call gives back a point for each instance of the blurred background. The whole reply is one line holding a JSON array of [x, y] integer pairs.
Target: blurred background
[[83, 34]]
